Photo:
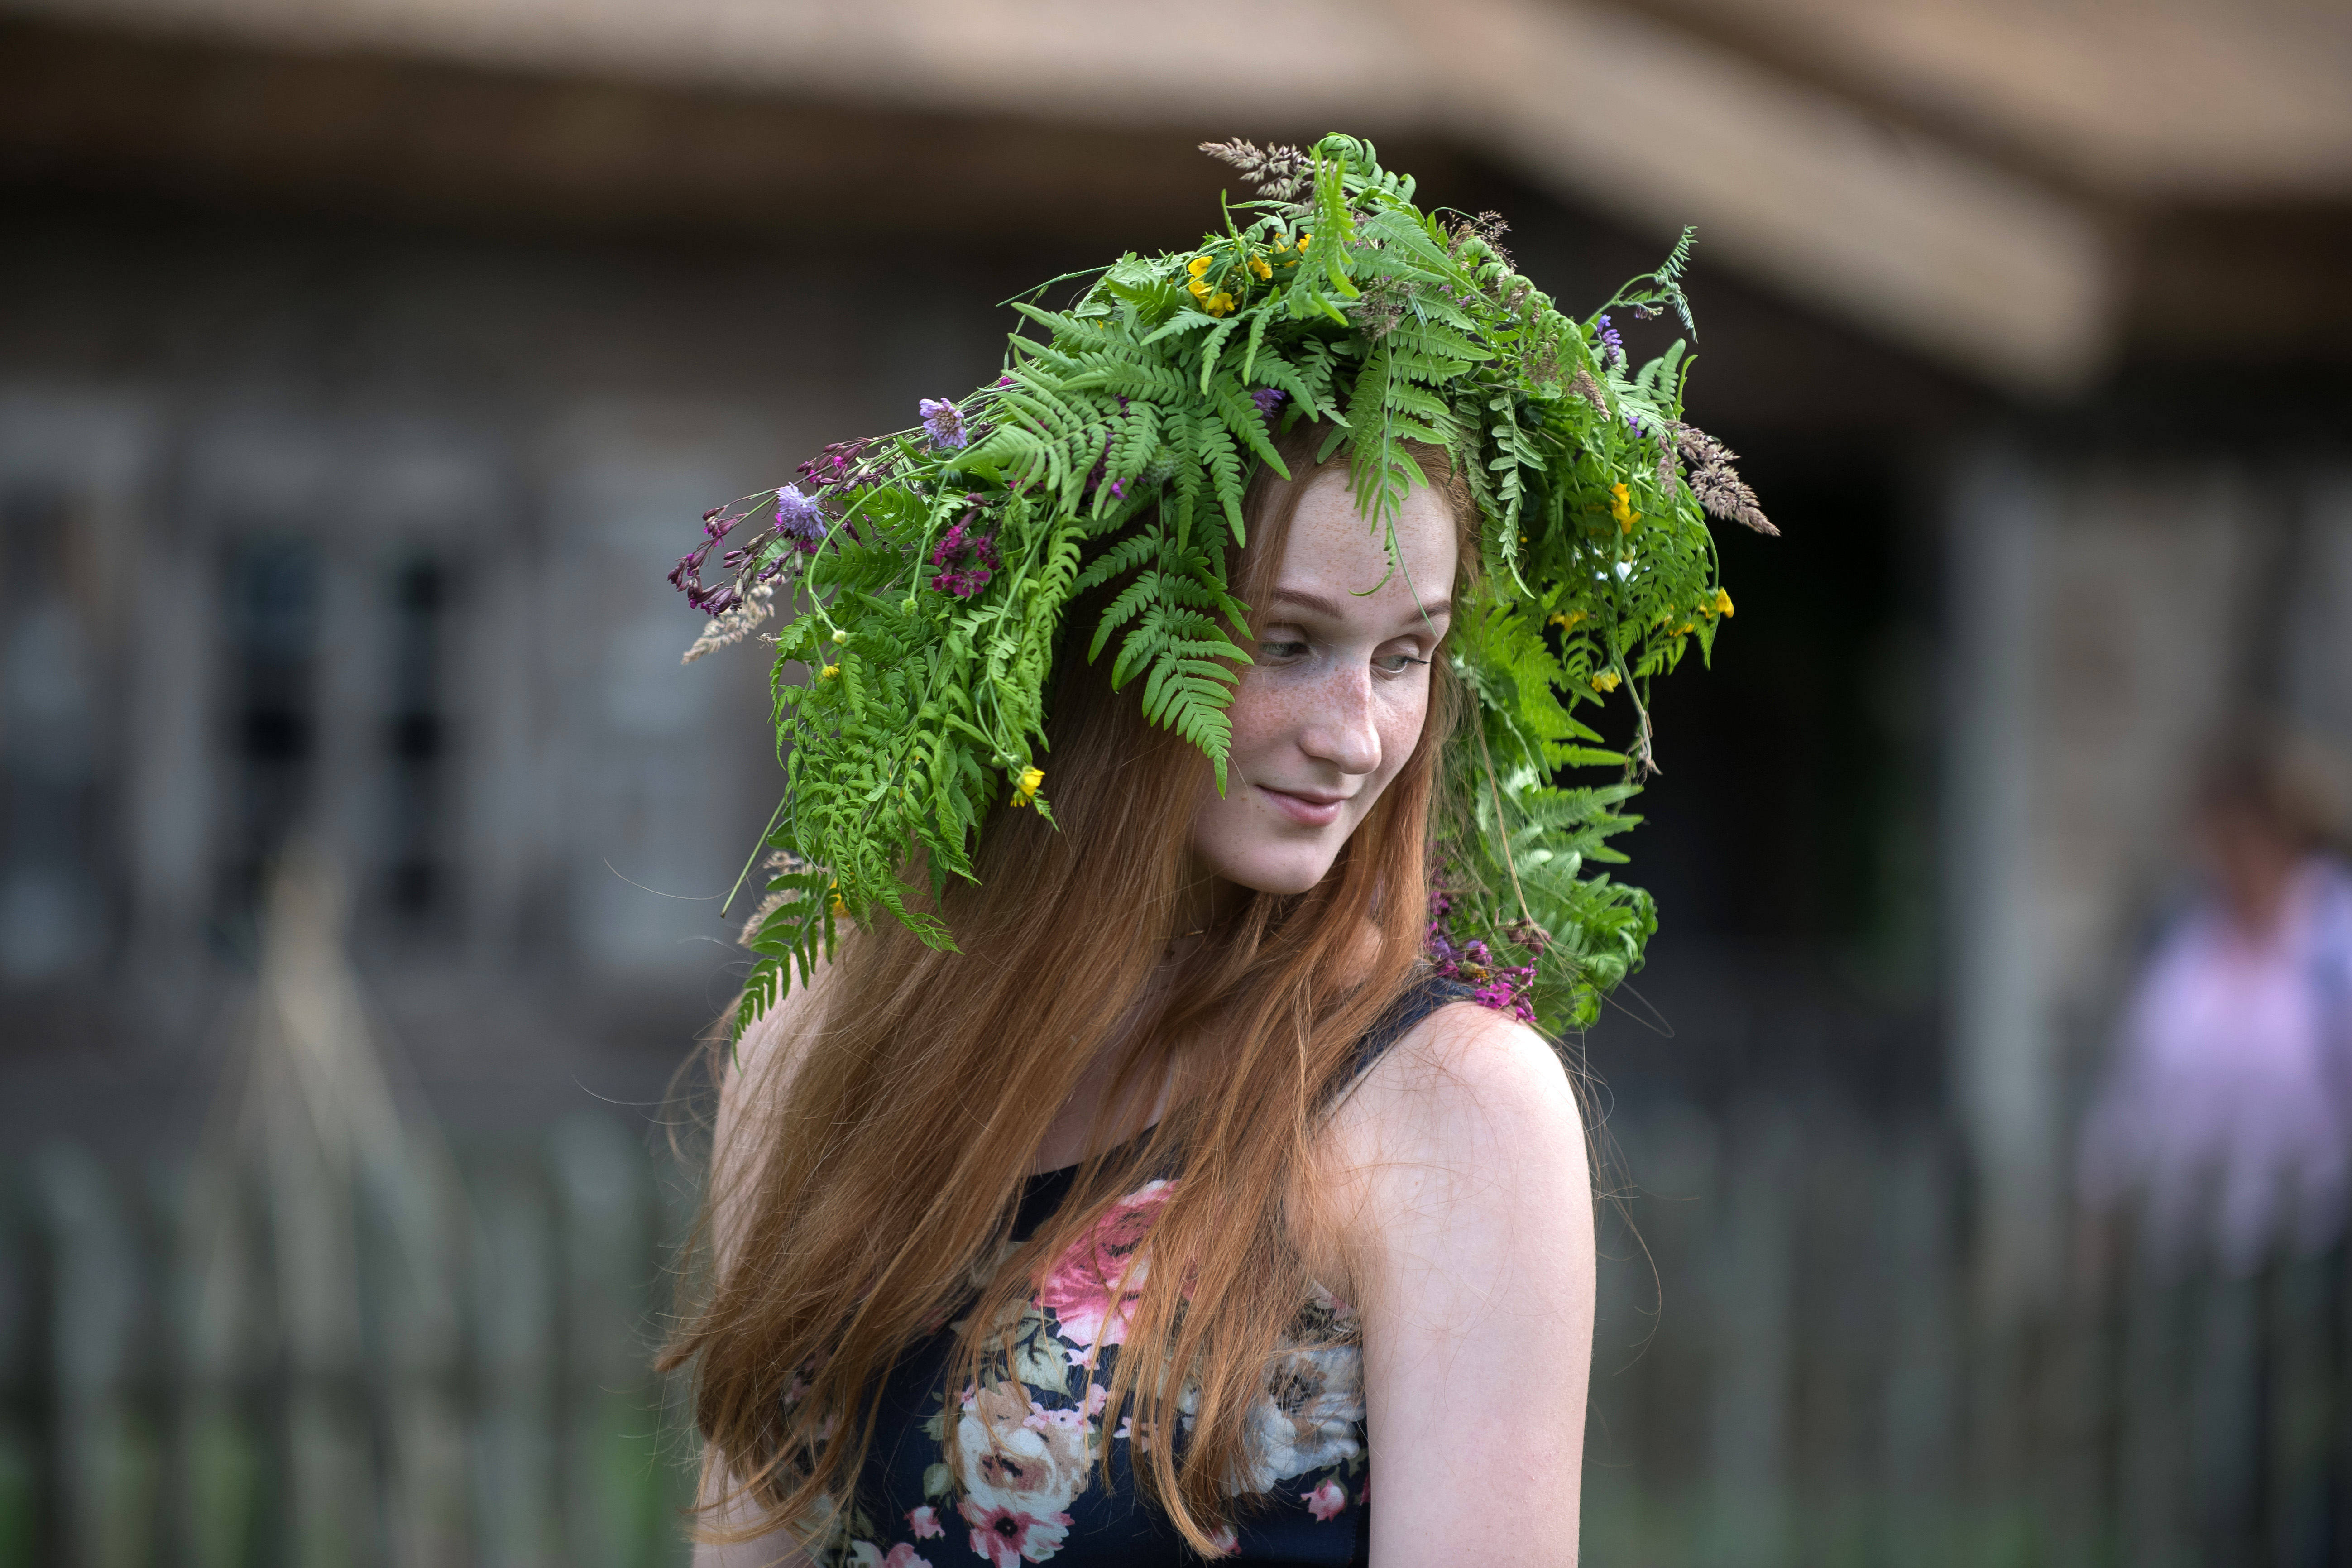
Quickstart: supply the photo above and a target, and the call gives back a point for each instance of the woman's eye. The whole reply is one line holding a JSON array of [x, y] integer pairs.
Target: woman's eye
[[1280, 648], [1396, 663]]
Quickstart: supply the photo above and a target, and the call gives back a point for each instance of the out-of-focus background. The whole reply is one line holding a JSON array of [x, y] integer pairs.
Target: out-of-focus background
[[364, 365]]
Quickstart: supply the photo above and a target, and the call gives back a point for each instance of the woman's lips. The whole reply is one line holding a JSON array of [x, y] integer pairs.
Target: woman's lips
[[1307, 810]]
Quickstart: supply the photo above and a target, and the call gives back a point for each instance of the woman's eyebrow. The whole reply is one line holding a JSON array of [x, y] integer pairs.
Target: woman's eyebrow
[[1330, 609], [1305, 601]]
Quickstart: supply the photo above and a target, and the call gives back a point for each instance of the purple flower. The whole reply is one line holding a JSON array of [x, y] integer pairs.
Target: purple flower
[[799, 519], [1612, 347], [1268, 399], [1007, 381], [944, 421]]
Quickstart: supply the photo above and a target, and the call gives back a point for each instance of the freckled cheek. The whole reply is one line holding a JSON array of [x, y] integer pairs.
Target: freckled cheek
[[1399, 725], [1265, 713]]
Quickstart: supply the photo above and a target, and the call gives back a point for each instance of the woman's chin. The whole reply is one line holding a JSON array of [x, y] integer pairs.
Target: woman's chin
[[1279, 872]]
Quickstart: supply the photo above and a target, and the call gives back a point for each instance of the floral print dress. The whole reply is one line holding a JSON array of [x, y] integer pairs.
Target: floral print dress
[[1006, 1473]]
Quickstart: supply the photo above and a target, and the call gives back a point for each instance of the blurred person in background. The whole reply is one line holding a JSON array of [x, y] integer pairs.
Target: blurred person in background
[[2227, 1111]]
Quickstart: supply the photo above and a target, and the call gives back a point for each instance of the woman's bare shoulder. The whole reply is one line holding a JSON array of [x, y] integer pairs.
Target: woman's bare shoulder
[[1463, 1079], [1464, 1205], [1470, 1117]]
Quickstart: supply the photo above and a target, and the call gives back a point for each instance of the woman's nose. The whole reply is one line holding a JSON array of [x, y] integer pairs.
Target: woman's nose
[[1340, 729]]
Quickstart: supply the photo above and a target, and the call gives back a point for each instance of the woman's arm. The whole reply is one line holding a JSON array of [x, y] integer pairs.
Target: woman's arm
[[1463, 1204], [777, 1549]]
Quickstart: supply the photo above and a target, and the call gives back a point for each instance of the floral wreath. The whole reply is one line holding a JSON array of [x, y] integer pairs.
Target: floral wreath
[[927, 572]]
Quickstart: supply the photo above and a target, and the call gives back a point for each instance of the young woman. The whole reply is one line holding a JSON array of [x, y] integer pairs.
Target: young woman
[[1177, 970], [1134, 1184]]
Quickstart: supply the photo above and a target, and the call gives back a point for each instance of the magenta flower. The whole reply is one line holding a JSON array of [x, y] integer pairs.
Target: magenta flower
[[831, 466], [965, 560], [1506, 988]]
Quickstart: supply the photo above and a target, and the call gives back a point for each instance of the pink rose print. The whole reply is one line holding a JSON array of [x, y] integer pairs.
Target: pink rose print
[[1083, 1288], [925, 1522], [1326, 1501], [866, 1554], [1007, 1536]]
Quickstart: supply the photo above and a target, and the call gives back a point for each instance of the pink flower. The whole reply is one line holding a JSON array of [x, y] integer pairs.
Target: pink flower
[[925, 1522], [1326, 1501], [1039, 1419], [1083, 1288], [1006, 1536], [866, 1554]]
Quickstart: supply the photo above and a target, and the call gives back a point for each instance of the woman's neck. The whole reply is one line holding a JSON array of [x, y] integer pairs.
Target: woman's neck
[[1202, 899]]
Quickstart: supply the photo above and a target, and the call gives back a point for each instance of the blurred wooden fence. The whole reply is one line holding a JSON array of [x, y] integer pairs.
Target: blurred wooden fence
[[324, 1374], [1788, 1371]]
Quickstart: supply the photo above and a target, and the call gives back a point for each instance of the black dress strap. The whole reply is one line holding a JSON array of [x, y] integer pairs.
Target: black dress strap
[[1424, 996]]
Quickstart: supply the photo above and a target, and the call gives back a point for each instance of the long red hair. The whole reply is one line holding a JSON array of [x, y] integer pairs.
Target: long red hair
[[880, 1174]]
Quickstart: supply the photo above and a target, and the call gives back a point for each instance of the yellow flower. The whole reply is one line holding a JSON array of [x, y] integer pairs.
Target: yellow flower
[[1199, 289], [833, 896], [1685, 627], [1722, 602], [1257, 265], [1026, 790], [1568, 622], [1620, 507], [1197, 266], [1303, 239], [1605, 681], [828, 673], [1218, 303]]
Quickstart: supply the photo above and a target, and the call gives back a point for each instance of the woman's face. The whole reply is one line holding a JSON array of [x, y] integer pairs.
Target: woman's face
[[1332, 707]]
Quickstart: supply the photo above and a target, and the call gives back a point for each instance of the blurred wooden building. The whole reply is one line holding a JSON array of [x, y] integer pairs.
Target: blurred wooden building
[[364, 363]]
